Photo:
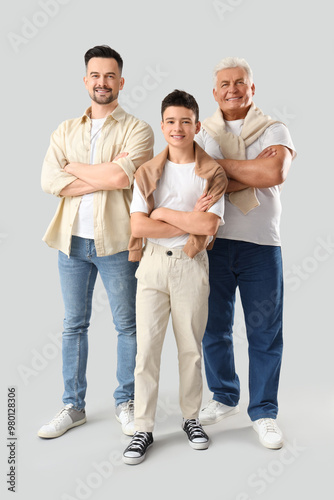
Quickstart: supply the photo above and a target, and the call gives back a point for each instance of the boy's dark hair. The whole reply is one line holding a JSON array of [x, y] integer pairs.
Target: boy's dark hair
[[106, 52], [180, 98]]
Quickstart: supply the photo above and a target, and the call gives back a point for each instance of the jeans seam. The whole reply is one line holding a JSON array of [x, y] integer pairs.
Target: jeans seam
[[79, 340]]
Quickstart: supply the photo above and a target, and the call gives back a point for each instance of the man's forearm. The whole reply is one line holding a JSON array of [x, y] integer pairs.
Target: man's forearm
[[234, 186], [200, 223], [77, 188], [260, 172], [102, 176]]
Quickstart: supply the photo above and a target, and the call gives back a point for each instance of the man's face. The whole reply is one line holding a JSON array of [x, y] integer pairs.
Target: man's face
[[179, 126], [234, 92], [103, 80]]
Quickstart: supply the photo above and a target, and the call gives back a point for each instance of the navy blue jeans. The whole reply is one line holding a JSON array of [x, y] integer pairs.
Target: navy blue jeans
[[257, 271]]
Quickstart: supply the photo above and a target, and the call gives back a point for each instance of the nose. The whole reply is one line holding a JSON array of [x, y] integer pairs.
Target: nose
[[102, 82], [232, 88]]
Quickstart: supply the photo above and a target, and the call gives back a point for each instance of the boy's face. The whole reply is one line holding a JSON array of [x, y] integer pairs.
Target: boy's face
[[179, 126]]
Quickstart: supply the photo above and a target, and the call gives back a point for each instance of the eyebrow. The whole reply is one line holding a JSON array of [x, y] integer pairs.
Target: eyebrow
[[173, 118], [237, 80], [97, 73]]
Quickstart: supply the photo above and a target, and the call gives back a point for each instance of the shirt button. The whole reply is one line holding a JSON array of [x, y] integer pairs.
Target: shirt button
[[169, 253]]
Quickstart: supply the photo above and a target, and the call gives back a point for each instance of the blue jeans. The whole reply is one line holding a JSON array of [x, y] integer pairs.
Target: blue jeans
[[257, 271], [77, 277]]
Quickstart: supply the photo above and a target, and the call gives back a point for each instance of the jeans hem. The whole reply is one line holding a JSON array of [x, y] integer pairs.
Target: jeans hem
[[223, 402], [265, 415]]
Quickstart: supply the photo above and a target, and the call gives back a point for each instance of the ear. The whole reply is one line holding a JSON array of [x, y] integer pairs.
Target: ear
[[198, 127], [253, 88], [214, 91], [85, 81], [162, 125], [121, 83]]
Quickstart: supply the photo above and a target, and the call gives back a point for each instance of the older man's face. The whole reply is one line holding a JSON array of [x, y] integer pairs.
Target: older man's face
[[234, 93]]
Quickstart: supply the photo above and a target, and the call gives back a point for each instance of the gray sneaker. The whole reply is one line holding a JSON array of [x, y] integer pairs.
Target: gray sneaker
[[125, 415], [67, 418]]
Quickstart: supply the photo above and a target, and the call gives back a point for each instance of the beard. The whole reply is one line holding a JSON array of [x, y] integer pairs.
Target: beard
[[103, 99]]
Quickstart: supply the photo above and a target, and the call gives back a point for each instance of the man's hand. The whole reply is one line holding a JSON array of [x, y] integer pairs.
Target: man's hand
[[269, 152], [202, 203], [70, 167], [120, 155]]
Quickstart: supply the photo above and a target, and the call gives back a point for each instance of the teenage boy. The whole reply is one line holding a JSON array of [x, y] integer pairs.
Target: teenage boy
[[177, 205]]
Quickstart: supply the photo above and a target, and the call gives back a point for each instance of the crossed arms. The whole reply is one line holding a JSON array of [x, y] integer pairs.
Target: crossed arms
[[270, 168], [166, 223], [61, 176], [98, 177]]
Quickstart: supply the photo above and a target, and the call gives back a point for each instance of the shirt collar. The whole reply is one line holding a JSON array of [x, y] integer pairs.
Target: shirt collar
[[118, 114]]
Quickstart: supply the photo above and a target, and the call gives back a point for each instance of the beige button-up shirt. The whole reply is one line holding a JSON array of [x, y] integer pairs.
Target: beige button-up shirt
[[121, 132]]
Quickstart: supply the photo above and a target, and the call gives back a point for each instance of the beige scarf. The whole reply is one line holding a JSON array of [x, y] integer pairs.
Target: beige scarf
[[234, 147]]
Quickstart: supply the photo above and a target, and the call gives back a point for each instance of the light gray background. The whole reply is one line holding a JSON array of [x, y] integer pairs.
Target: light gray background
[[289, 47]]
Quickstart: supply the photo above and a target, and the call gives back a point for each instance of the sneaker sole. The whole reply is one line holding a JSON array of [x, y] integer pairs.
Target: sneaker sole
[[135, 460], [199, 446], [124, 430], [60, 433], [221, 417], [271, 446]]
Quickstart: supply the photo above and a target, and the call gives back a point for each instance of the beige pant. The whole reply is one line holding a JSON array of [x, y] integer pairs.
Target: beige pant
[[169, 282]]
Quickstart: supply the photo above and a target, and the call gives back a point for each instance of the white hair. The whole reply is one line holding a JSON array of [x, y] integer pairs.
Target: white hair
[[232, 62]]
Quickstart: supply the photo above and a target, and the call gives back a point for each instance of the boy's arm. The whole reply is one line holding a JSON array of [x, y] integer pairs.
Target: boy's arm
[[200, 223], [142, 226]]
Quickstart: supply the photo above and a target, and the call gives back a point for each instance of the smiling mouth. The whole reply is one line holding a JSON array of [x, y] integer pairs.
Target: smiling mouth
[[101, 91], [233, 99], [177, 137]]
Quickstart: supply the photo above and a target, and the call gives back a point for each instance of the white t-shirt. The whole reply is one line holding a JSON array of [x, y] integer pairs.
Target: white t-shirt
[[178, 189], [84, 222], [262, 224]]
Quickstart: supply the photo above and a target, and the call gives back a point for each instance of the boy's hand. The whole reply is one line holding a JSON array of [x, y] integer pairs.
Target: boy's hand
[[202, 203], [157, 214]]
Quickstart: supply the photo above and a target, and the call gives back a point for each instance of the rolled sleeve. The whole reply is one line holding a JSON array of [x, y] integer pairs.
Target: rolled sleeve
[[54, 178], [139, 146]]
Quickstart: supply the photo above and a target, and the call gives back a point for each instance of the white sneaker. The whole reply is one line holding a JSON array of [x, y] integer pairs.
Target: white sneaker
[[215, 411], [67, 418], [125, 415], [270, 435]]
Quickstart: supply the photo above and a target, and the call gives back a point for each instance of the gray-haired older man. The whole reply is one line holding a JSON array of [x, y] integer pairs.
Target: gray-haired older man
[[256, 153]]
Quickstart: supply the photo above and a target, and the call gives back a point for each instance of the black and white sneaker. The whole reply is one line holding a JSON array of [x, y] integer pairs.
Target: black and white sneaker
[[197, 438], [135, 452]]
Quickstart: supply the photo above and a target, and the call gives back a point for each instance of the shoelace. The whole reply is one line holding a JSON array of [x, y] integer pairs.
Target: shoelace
[[60, 415], [129, 409], [269, 425], [139, 441], [212, 405], [194, 428]]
